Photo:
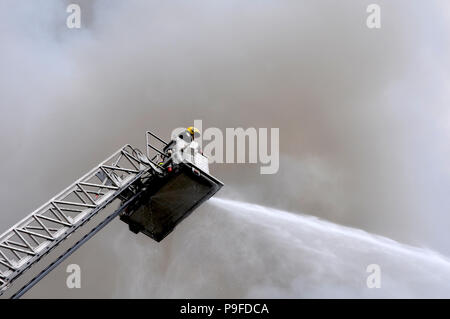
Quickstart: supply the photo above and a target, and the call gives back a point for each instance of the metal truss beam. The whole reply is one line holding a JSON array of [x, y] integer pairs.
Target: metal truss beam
[[36, 235]]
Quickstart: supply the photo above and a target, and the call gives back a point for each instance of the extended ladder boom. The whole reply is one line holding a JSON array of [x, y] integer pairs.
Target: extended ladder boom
[[156, 192], [29, 240]]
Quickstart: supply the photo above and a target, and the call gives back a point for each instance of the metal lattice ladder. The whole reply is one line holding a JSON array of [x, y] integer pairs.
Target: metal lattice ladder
[[25, 243]]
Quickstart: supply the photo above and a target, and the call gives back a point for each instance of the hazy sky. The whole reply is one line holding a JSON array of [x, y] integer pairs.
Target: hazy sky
[[363, 114]]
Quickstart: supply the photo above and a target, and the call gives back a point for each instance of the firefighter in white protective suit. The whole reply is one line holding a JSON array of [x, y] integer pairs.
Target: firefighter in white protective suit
[[186, 145], [189, 135]]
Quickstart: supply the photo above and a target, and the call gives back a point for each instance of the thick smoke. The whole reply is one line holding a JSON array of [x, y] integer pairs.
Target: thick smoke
[[363, 114]]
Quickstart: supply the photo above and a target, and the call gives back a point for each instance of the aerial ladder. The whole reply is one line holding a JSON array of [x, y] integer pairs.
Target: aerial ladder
[[156, 191]]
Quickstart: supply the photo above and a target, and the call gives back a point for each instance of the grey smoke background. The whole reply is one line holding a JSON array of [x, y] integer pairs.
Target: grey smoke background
[[363, 117]]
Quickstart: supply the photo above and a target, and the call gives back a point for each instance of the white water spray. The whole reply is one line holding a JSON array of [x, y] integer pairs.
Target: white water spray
[[265, 215], [340, 256]]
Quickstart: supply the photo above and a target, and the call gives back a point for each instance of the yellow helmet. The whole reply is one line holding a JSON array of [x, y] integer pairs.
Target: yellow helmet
[[195, 133]]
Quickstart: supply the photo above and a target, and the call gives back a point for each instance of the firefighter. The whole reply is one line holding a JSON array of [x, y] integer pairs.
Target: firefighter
[[189, 134]]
